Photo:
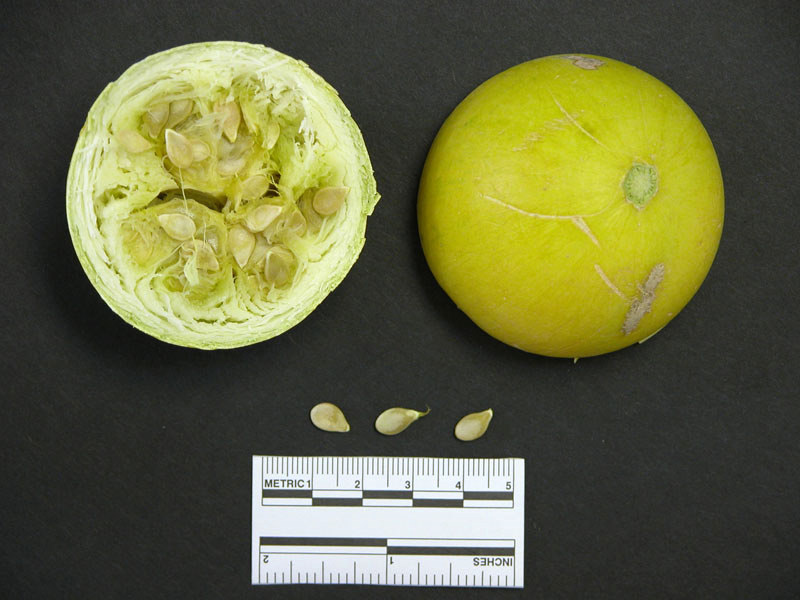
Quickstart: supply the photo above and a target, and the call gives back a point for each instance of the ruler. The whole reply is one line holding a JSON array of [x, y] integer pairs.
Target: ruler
[[388, 521]]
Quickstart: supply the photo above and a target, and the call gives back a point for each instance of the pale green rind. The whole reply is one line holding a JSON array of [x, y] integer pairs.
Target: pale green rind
[[209, 64]]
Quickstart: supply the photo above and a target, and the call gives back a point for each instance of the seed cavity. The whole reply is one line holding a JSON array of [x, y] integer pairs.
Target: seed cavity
[[474, 425], [396, 420], [177, 226], [133, 141], [179, 149], [241, 243], [328, 200], [329, 417], [260, 218]]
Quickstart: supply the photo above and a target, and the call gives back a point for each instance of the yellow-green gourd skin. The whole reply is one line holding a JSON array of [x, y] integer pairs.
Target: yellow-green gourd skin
[[523, 215]]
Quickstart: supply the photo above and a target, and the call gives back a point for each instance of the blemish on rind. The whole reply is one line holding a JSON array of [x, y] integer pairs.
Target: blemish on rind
[[585, 62], [608, 282], [581, 224], [647, 293]]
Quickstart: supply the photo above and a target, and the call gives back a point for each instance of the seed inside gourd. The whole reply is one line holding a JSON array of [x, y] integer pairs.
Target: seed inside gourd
[[329, 417], [241, 243], [179, 149], [273, 133], [231, 118], [328, 200], [254, 187], [473, 425], [261, 217], [296, 223], [278, 265], [133, 141], [200, 150], [177, 226], [155, 118], [178, 111], [204, 253], [394, 420], [313, 219]]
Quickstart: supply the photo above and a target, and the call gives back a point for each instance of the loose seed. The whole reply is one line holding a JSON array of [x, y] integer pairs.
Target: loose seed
[[155, 118], [277, 265], [474, 425], [261, 217], [178, 111], [329, 417], [133, 141], [241, 243], [273, 132], [395, 420], [179, 149], [178, 227], [254, 187], [328, 200], [232, 116]]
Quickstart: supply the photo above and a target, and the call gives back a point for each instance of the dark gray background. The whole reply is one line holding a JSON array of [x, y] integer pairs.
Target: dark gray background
[[671, 469]]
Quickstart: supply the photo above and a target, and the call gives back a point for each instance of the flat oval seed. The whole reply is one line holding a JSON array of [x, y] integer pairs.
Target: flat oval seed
[[179, 149], [133, 141], [231, 118], [178, 227], [206, 259], [329, 417], [178, 111], [312, 217], [155, 118], [473, 426], [262, 217], [395, 420], [230, 166], [328, 200], [273, 132], [254, 187], [200, 150], [297, 223], [276, 267], [241, 243]]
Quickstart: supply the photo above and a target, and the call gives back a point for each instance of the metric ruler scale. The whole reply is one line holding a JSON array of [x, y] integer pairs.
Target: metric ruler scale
[[388, 521]]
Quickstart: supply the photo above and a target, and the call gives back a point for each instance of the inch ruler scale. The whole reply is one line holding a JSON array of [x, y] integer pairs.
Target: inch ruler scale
[[388, 521]]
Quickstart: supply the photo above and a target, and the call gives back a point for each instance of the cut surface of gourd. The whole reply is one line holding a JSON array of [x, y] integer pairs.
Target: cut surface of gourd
[[217, 193]]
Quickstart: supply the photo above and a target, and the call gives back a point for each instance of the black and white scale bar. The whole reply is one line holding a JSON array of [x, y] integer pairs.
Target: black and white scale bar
[[488, 495], [271, 493], [411, 497], [426, 548], [321, 541], [449, 551]]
